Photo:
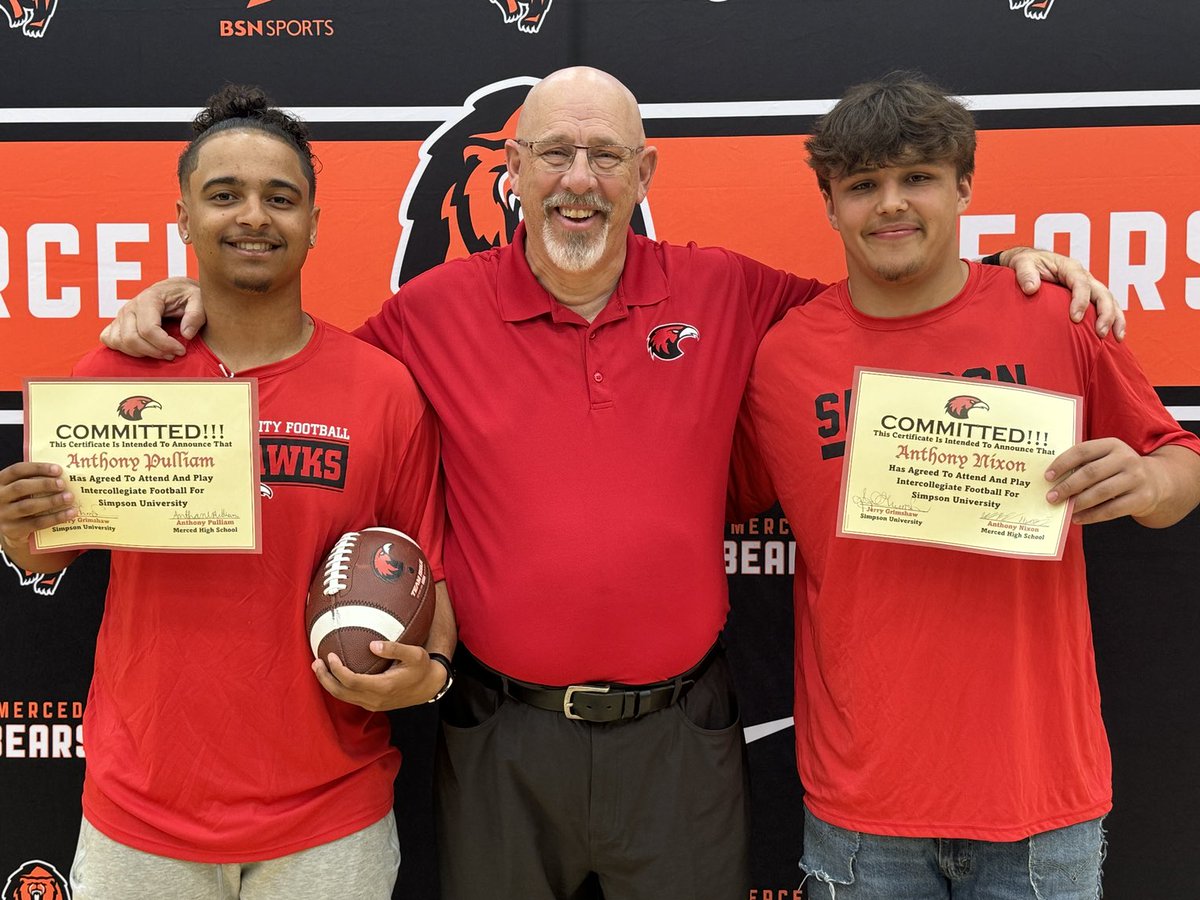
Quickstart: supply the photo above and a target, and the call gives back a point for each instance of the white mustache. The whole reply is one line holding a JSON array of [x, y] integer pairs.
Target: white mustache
[[566, 198]]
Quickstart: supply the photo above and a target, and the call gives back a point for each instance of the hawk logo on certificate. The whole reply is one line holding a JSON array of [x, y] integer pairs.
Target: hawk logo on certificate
[[922, 468], [131, 408], [960, 406]]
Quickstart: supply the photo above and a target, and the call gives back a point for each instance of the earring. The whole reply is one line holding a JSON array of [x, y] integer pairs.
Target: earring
[[184, 236]]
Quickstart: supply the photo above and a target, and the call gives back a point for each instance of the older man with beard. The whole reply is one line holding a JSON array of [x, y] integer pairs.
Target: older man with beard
[[591, 741]]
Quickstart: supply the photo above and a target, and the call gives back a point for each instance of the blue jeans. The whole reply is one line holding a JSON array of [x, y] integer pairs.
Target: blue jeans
[[1063, 864]]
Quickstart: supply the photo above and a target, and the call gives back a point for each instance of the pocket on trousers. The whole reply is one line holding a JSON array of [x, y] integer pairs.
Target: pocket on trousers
[[711, 705], [829, 851], [1066, 862], [469, 704]]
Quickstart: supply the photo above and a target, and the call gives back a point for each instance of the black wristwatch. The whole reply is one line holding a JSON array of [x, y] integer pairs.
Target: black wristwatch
[[445, 661]]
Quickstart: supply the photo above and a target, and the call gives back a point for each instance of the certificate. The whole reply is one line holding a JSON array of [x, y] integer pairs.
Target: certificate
[[956, 463], [164, 465]]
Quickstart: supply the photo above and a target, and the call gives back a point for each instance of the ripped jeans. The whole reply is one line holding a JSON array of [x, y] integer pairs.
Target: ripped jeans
[[1063, 864]]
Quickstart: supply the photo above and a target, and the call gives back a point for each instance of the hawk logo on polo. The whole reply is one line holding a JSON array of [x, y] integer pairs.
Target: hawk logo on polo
[[36, 880], [131, 408], [459, 200], [663, 342], [41, 583], [527, 15], [31, 16], [1034, 9], [961, 406]]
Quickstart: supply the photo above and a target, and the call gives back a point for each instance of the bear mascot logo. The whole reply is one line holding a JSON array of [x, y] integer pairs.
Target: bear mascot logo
[[31, 16], [43, 583], [36, 880], [1034, 9], [528, 15]]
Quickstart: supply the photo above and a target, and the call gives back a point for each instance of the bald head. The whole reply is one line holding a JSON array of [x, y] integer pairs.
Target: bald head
[[579, 95]]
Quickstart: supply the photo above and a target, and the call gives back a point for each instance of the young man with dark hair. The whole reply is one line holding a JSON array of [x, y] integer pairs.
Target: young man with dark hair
[[948, 728], [218, 765]]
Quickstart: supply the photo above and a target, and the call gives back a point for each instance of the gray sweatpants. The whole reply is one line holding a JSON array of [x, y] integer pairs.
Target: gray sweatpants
[[361, 865]]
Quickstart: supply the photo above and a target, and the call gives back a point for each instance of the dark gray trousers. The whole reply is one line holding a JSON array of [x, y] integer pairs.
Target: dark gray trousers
[[535, 806]]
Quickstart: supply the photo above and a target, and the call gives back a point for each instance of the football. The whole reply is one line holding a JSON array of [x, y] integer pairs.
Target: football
[[375, 584]]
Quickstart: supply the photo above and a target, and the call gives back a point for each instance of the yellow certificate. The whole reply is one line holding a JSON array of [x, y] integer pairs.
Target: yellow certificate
[[154, 465], [956, 462]]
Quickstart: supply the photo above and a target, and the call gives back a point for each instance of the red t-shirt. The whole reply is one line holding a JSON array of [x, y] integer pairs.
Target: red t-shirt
[[208, 736], [941, 693], [586, 463]]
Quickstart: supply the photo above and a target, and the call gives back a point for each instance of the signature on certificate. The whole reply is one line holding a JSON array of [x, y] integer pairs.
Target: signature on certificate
[[883, 500], [1010, 518], [210, 514]]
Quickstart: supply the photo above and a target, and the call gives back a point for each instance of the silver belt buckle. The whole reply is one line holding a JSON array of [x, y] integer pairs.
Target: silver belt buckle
[[581, 688]]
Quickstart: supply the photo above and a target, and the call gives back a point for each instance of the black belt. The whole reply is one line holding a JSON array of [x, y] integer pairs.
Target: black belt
[[592, 702]]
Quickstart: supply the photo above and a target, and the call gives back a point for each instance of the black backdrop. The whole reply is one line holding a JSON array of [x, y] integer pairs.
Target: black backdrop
[[136, 62]]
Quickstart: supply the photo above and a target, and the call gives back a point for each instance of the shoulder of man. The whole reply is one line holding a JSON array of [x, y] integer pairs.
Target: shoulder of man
[[344, 351], [103, 362], [998, 285]]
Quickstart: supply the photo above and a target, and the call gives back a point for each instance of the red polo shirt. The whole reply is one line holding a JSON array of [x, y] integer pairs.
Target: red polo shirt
[[586, 464]]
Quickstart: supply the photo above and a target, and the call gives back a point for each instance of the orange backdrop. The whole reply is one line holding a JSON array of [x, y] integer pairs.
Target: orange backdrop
[[88, 224]]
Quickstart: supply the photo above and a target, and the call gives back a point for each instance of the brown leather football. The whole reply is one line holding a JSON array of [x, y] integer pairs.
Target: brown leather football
[[374, 584]]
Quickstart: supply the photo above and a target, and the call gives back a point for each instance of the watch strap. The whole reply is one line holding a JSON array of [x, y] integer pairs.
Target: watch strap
[[449, 666]]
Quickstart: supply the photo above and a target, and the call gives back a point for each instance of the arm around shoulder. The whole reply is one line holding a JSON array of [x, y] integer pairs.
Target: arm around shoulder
[[385, 329], [749, 491], [1034, 266], [137, 330]]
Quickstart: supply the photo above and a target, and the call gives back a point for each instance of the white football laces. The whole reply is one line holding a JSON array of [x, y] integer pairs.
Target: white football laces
[[337, 566]]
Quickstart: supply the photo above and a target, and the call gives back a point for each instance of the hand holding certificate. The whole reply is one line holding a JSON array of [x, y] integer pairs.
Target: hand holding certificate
[[154, 465], [956, 463]]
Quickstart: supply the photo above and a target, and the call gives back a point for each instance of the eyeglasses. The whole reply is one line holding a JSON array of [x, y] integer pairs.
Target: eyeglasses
[[557, 156]]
